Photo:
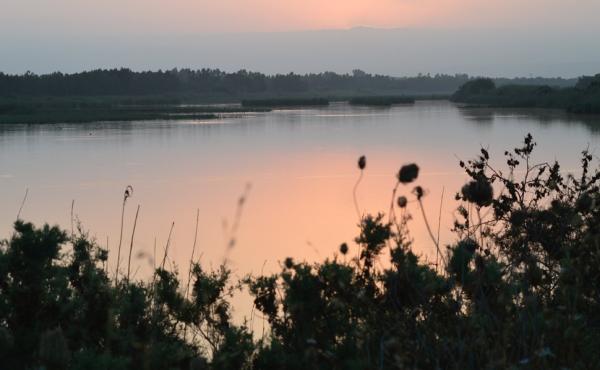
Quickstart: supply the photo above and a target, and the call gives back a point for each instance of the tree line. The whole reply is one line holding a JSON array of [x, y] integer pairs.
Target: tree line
[[215, 82], [583, 98]]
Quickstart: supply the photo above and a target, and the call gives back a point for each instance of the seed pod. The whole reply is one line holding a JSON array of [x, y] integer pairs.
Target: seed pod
[[402, 201], [479, 192], [128, 193], [344, 248], [485, 153], [419, 192], [362, 162], [408, 173]]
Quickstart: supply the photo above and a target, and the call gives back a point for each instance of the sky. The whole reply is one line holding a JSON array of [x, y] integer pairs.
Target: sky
[[70, 35]]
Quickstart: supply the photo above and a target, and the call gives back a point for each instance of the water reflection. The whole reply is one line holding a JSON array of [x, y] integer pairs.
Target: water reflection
[[301, 164], [541, 116]]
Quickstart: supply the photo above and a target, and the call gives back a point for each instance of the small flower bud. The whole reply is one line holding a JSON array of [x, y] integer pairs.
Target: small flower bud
[[419, 192], [362, 162]]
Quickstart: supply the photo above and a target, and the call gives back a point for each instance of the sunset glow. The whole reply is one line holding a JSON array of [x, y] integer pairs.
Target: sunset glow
[[188, 16], [299, 184]]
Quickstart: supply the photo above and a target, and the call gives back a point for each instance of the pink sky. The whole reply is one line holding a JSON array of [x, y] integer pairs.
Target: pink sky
[[200, 16], [492, 37]]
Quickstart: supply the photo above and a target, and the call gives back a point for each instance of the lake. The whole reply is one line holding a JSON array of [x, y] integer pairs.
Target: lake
[[296, 167]]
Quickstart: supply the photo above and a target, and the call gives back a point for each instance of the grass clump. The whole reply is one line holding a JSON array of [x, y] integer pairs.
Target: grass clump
[[76, 110], [285, 102], [381, 101], [520, 290]]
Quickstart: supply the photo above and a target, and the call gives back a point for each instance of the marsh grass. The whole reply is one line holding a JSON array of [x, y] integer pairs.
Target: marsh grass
[[381, 101], [82, 110], [137, 212], [128, 193], [285, 102], [98, 115], [22, 204]]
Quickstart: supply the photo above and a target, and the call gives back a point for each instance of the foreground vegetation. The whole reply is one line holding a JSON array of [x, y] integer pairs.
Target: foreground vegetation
[[583, 98], [519, 289]]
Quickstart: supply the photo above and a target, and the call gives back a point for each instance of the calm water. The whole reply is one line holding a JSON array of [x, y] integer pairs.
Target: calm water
[[301, 165]]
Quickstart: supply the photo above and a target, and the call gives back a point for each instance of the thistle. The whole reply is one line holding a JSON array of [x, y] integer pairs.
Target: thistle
[[479, 192], [408, 173]]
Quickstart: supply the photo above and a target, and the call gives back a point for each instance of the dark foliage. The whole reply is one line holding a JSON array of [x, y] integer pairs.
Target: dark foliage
[[214, 82], [584, 98], [59, 309], [519, 289], [126, 95]]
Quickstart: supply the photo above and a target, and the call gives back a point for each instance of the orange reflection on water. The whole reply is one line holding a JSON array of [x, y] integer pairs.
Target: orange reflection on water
[[302, 165], [302, 208]]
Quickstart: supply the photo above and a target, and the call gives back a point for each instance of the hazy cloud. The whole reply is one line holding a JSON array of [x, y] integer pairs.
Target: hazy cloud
[[499, 37], [193, 16]]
